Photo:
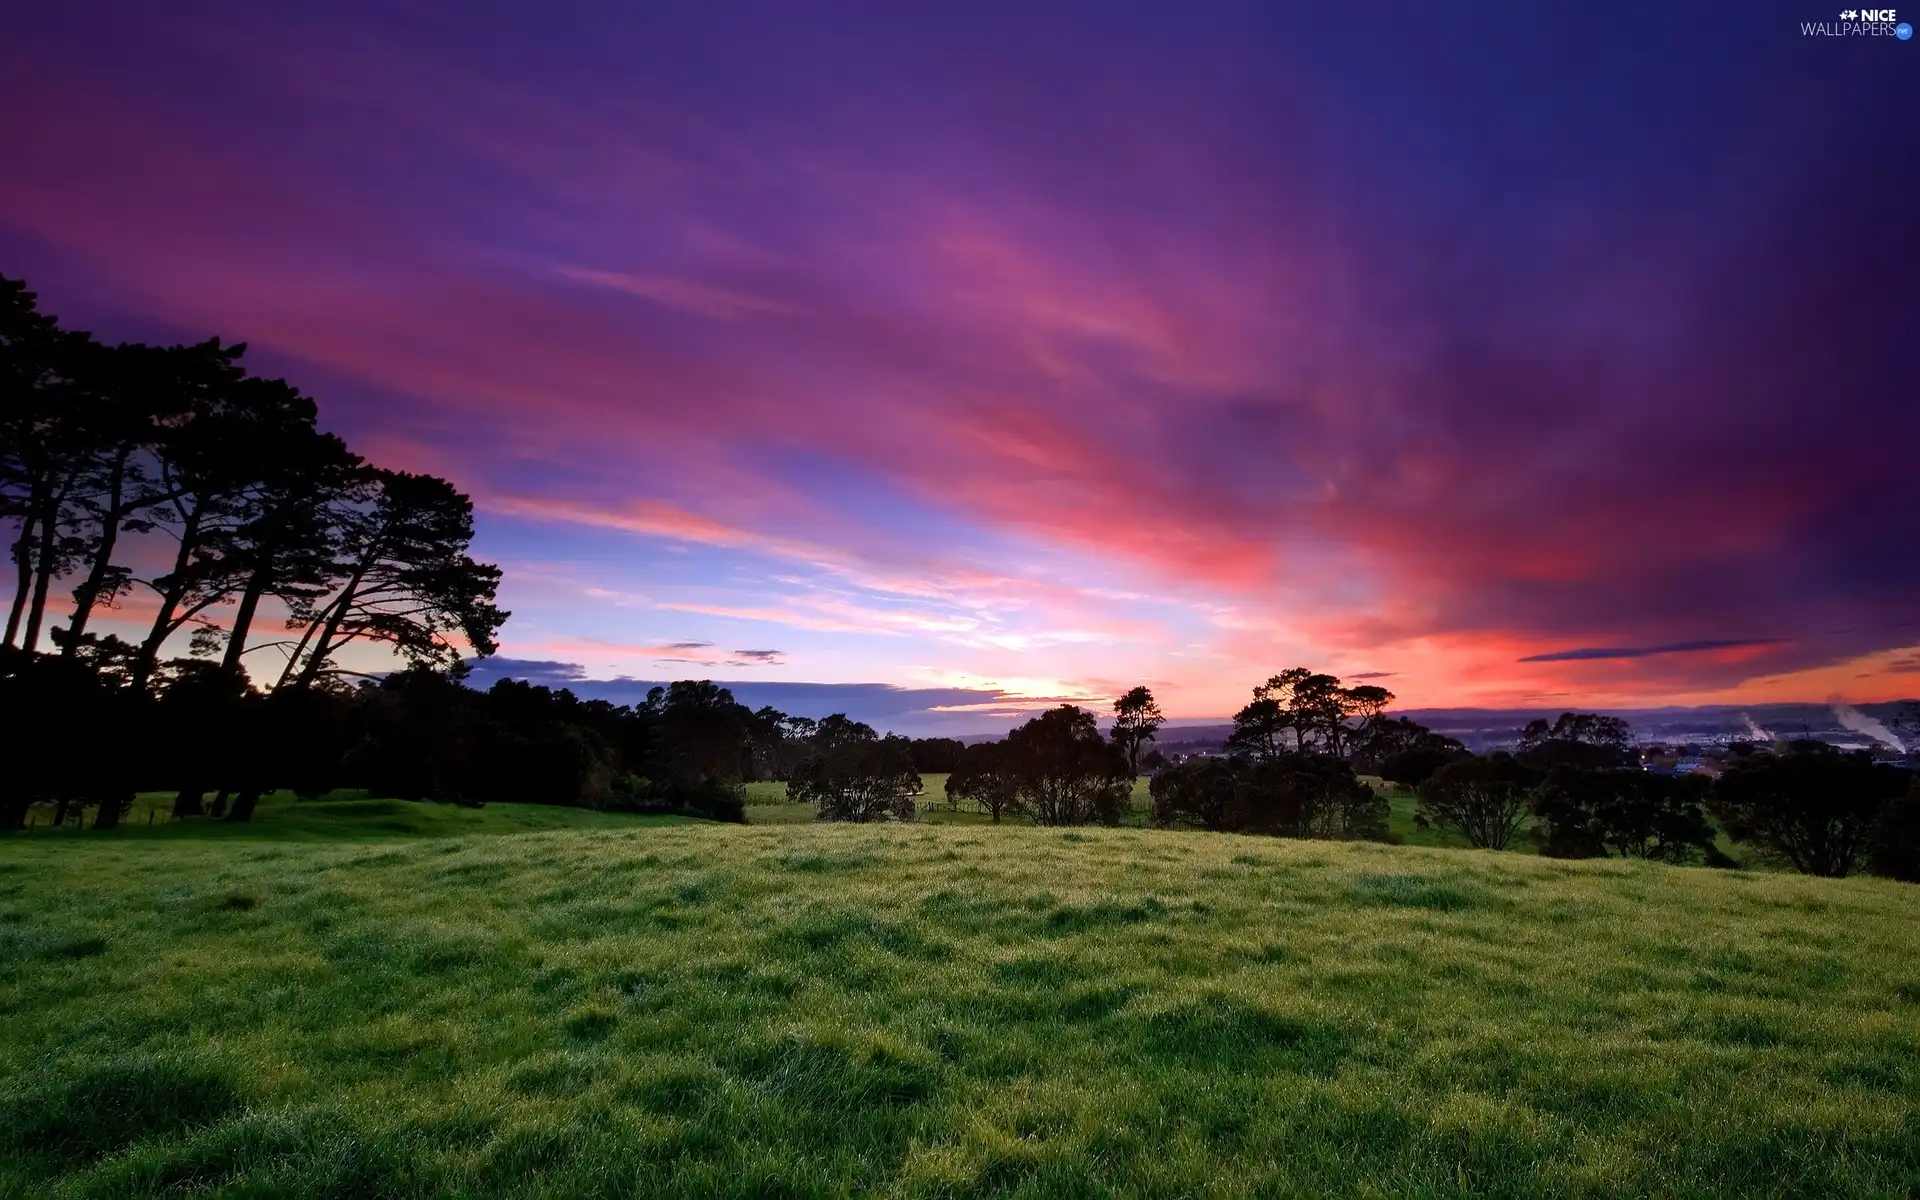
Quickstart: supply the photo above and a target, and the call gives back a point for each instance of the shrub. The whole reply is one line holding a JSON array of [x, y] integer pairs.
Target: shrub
[[1411, 768], [710, 797]]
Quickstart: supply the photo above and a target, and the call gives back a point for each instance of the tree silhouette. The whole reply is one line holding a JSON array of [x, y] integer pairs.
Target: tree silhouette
[[284, 547], [1064, 772], [402, 577], [984, 778], [1482, 799], [1807, 804], [853, 774], [1631, 813], [1136, 718]]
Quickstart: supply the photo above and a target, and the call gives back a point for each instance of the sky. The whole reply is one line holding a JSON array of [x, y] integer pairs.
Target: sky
[[989, 355]]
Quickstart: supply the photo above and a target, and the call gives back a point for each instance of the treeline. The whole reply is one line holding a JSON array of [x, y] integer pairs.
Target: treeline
[[416, 734], [1574, 785]]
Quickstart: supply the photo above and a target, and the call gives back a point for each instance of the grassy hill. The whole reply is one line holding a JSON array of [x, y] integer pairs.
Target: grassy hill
[[631, 1008]]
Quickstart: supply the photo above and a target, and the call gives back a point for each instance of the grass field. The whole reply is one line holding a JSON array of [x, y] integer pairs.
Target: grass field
[[623, 1008]]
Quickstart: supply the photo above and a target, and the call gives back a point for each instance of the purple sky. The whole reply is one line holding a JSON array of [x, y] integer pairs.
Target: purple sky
[[1535, 355]]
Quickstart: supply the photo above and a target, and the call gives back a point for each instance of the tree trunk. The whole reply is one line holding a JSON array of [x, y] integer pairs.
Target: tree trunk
[[43, 575], [243, 621], [60, 808], [13, 811], [88, 593], [189, 803], [219, 808], [170, 598], [22, 559], [243, 804], [110, 809], [335, 614]]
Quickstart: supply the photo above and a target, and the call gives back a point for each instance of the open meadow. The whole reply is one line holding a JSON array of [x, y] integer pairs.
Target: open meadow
[[633, 1007]]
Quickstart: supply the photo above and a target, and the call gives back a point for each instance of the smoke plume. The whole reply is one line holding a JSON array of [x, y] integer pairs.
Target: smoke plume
[[1861, 723]]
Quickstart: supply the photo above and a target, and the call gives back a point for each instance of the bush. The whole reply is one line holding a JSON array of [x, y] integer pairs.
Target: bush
[[982, 778], [1201, 792], [711, 797]]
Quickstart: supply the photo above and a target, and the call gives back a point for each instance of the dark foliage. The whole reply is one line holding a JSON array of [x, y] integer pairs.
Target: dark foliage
[[1064, 772], [1809, 805], [1291, 795], [983, 778], [937, 756], [1136, 719], [1404, 747], [1482, 799], [1630, 813], [854, 774], [1303, 711], [1896, 837], [1585, 741]]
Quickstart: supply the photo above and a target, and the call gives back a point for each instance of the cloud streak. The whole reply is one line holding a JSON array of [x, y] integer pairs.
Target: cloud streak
[[1698, 647]]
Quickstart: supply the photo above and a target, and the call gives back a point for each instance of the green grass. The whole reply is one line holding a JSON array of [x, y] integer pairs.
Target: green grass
[[693, 1010]]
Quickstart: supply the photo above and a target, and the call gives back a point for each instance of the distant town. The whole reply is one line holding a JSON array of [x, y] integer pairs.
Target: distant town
[[1678, 740]]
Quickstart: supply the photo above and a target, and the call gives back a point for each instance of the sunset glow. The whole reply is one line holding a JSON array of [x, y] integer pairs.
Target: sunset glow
[[997, 355]]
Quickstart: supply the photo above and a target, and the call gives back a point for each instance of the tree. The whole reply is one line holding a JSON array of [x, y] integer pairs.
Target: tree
[[1064, 772], [1584, 740], [937, 756], [1292, 795], [1896, 837], [285, 545], [1365, 704], [1807, 804], [133, 392], [45, 449], [984, 779], [1403, 751], [1136, 719], [404, 579], [854, 774], [207, 460], [1200, 791], [700, 731], [1259, 729], [1482, 799], [1315, 708], [1630, 813]]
